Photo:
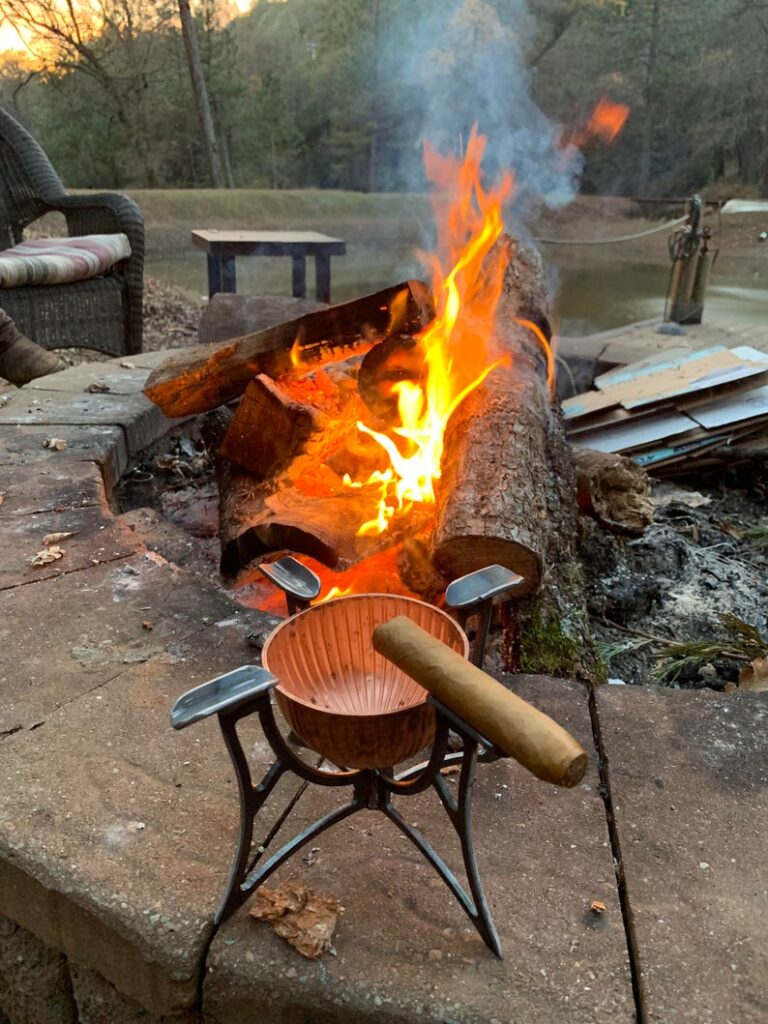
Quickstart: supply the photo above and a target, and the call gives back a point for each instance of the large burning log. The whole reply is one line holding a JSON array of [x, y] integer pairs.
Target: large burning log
[[508, 492], [202, 378], [492, 502]]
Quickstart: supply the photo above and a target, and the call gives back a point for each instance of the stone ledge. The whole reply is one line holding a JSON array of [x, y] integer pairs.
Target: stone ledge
[[141, 421], [689, 777]]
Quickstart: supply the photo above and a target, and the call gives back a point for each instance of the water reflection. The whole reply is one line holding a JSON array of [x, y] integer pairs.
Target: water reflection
[[592, 296]]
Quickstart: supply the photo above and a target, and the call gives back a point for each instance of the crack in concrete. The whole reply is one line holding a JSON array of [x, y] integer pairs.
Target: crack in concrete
[[69, 572], [633, 951]]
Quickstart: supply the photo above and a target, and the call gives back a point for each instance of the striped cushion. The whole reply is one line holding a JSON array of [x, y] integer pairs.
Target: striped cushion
[[58, 260]]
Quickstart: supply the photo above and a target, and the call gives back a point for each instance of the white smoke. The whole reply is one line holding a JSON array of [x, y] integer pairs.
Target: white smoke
[[467, 65]]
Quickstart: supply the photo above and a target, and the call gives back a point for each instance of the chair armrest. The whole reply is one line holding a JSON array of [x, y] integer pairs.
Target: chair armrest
[[103, 213]]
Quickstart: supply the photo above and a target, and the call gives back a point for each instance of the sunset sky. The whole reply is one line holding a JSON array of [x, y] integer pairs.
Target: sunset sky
[[11, 40]]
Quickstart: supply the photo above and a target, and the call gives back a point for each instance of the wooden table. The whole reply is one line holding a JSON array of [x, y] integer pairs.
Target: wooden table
[[222, 248]]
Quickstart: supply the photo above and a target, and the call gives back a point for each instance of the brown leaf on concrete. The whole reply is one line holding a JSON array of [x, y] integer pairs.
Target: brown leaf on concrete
[[2, 496], [754, 676], [597, 906], [54, 538], [304, 918], [48, 555], [57, 443]]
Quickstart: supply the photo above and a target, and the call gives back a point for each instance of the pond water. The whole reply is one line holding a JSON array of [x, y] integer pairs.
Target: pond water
[[593, 295]]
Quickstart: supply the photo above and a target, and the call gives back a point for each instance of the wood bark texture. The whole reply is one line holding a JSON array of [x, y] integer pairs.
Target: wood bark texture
[[492, 505]]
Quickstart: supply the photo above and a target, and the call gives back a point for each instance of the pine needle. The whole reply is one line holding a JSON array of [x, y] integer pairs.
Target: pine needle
[[738, 641]]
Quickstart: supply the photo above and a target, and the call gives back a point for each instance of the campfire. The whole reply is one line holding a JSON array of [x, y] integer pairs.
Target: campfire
[[407, 438]]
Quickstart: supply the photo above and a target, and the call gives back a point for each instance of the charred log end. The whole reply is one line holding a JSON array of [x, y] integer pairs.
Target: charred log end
[[460, 555], [262, 540]]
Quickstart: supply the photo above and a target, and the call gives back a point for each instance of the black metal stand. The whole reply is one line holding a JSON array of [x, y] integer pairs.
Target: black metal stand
[[372, 789], [246, 691]]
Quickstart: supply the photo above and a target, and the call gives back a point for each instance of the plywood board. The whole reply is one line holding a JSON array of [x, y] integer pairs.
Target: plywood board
[[735, 408], [636, 433]]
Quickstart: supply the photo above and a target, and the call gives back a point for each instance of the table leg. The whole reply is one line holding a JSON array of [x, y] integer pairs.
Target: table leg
[[323, 277], [228, 276], [214, 275], [299, 282]]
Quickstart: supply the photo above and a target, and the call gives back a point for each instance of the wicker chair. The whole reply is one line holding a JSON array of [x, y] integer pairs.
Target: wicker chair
[[103, 313]]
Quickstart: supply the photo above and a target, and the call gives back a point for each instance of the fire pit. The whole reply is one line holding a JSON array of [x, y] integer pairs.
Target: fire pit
[[342, 698]]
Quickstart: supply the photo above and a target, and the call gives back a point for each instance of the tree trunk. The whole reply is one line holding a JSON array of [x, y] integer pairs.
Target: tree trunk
[[201, 95], [508, 493]]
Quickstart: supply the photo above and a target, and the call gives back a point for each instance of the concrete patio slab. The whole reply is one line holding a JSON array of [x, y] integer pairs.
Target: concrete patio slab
[[142, 421], [73, 634], [96, 537], [51, 486], [115, 831], [689, 778], [405, 951], [103, 445], [113, 379]]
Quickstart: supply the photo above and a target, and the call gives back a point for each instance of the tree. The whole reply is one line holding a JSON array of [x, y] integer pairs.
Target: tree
[[200, 92]]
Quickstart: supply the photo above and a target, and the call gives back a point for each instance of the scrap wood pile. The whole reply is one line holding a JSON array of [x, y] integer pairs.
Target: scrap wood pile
[[672, 415]]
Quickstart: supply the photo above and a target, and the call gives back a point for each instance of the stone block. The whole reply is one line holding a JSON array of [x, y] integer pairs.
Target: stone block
[[65, 637], [34, 980], [103, 445], [141, 420], [232, 316], [116, 832], [99, 1002], [53, 485], [94, 378], [689, 778], [404, 950], [96, 537]]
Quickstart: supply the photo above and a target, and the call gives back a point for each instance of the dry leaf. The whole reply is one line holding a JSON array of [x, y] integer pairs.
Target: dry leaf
[[48, 555], [128, 364], [754, 676], [57, 443], [98, 387], [450, 769], [2, 496], [597, 906], [304, 918], [54, 538], [148, 625]]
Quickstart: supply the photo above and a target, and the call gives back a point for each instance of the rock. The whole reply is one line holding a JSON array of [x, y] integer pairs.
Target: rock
[[232, 316]]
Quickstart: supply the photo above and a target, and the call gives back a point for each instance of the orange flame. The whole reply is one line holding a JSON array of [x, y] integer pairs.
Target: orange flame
[[605, 122], [467, 276]]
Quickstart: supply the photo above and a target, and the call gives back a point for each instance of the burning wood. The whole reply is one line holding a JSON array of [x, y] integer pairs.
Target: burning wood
[[202, 378], [431, 448]]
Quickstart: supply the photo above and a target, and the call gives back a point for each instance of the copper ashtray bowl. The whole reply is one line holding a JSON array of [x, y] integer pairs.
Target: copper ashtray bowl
[[340, 696]]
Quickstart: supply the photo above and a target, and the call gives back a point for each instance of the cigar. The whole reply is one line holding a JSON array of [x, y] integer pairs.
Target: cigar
[[518, 729]]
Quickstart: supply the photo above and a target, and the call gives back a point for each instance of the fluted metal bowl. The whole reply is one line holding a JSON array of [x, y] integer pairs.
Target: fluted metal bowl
[[340, 696]]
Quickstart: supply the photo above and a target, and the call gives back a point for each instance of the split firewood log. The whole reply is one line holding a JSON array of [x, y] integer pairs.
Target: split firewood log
[[198, 379]]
